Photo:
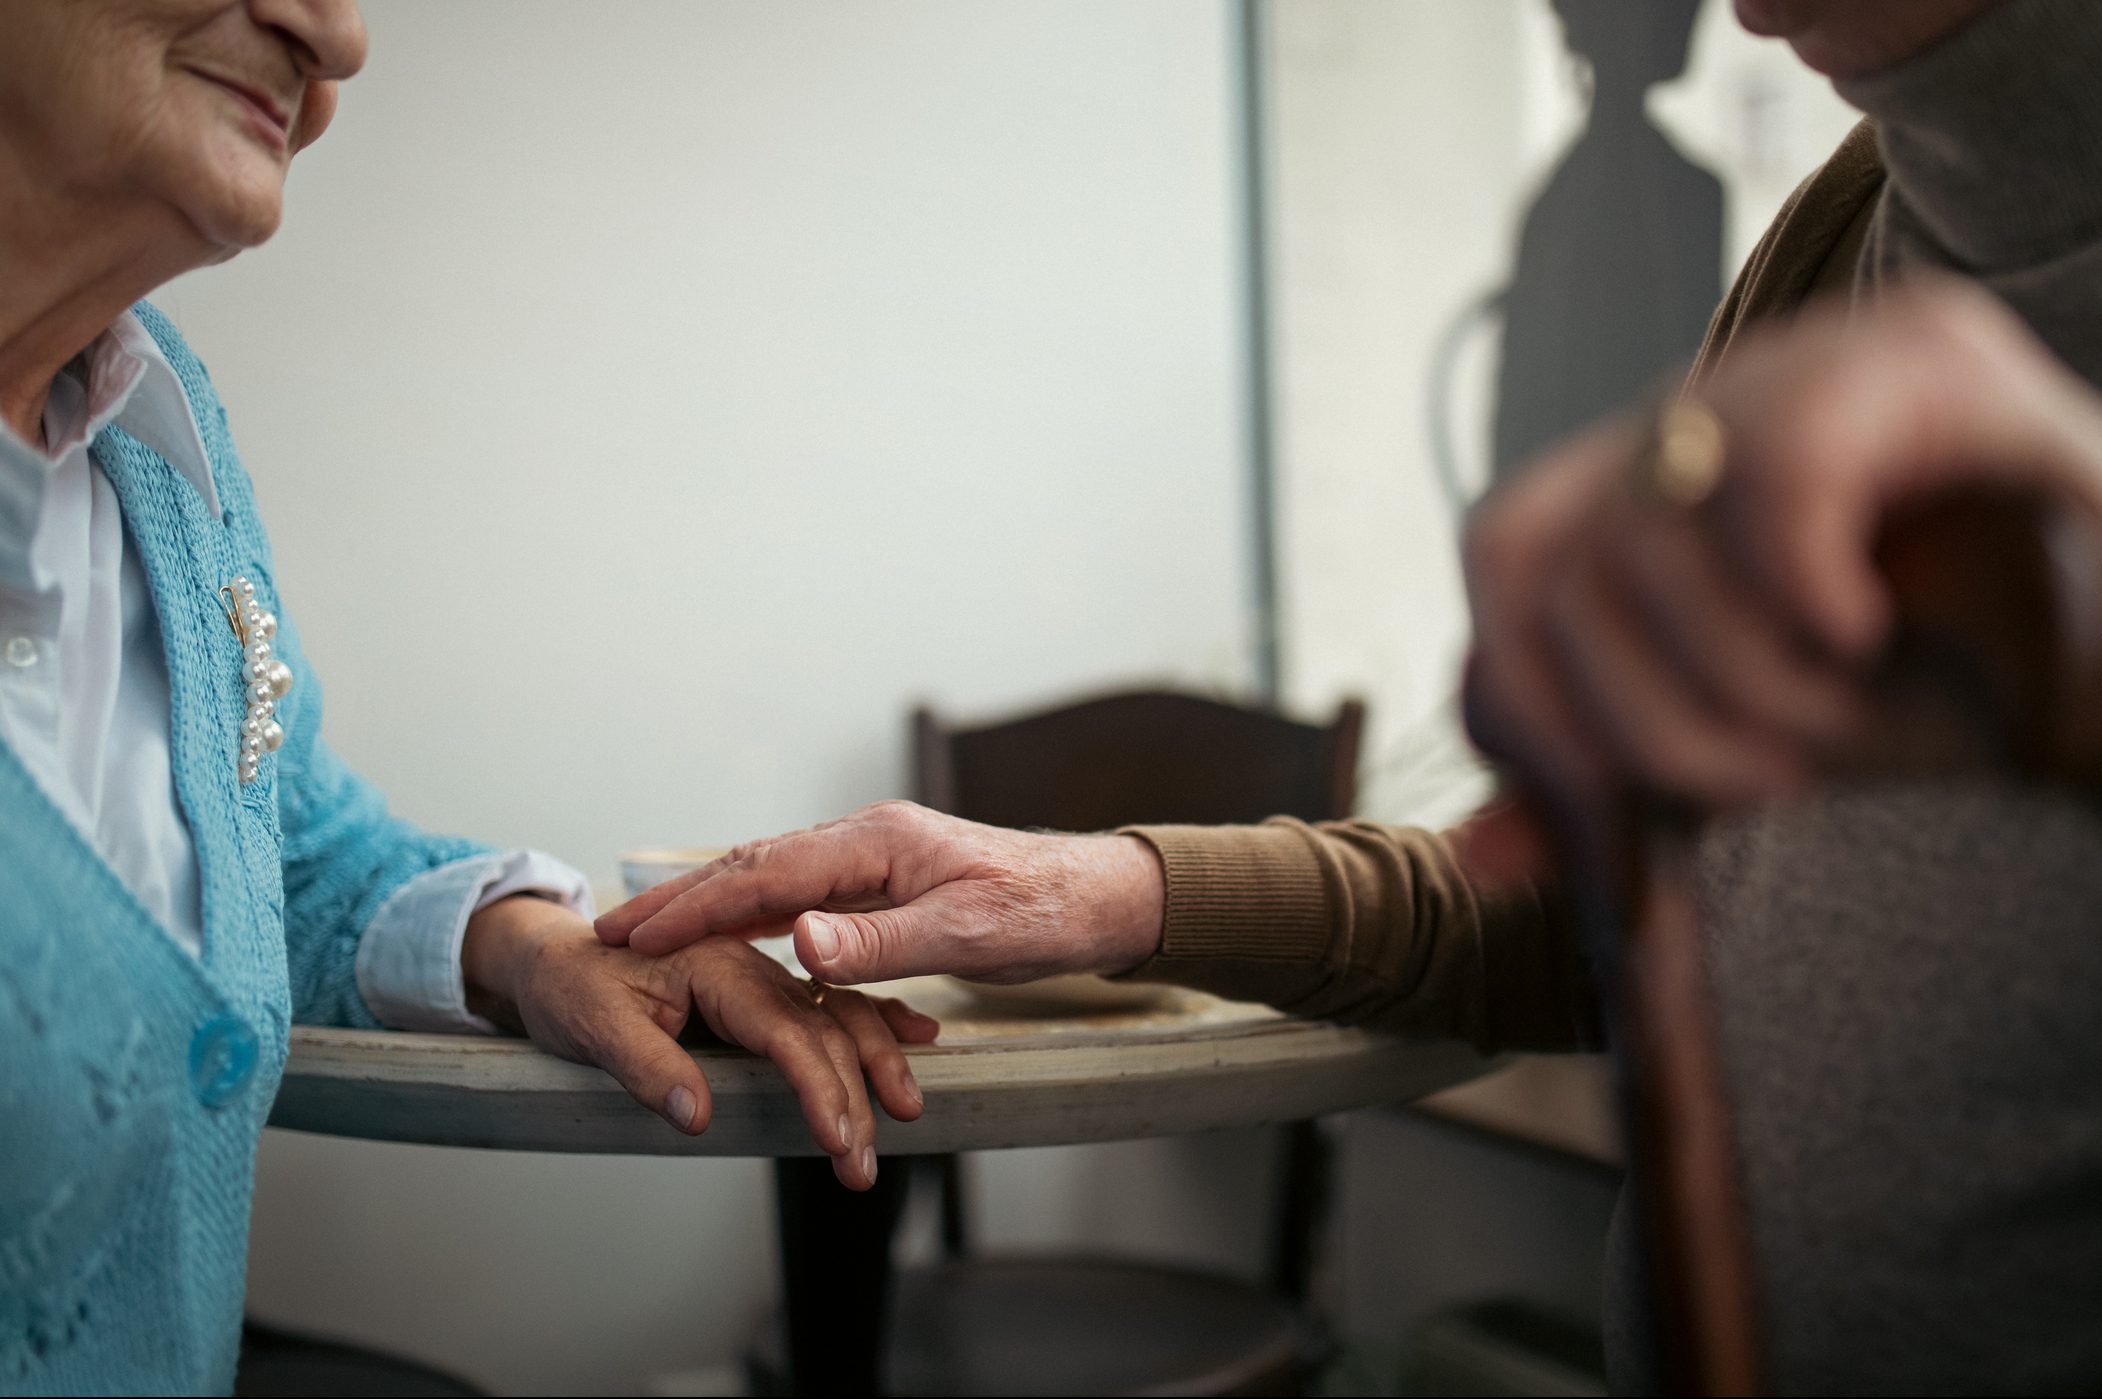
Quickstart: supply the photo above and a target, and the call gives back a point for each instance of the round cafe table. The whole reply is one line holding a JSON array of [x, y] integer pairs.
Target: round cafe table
[[1008, 1071]]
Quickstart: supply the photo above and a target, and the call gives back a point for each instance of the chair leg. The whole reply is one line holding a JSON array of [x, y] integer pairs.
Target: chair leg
[[1301, 1209], [952, 1181], [835, 1274]]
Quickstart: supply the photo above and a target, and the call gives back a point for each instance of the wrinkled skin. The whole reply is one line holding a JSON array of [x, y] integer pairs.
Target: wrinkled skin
[[897, 890]]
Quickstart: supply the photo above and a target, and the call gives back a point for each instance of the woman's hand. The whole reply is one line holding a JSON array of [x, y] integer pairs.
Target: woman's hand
[[534, 966], [1717, 650]]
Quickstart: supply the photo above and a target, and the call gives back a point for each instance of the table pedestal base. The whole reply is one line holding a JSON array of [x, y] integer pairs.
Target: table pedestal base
[[836, 1273]]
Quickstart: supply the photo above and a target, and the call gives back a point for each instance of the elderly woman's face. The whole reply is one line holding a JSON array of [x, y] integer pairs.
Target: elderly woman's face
[[196, 106]]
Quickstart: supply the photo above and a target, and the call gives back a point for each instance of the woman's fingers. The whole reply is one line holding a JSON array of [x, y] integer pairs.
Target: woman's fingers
[[749, 1000], [876, 1047], [655, 1070], [856, 1167], [909, 1025], [623, 1012], [594, 1006], [826, 1079]]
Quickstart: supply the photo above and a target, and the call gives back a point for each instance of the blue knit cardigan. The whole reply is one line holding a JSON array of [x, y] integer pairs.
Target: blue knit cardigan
[[134, 1078]]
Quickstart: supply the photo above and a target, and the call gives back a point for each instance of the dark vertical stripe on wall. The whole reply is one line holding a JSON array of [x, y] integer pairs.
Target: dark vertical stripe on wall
[[1256, 390]]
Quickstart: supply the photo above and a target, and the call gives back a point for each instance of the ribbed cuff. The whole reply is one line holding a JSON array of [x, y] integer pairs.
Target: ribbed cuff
[[1235, 894]]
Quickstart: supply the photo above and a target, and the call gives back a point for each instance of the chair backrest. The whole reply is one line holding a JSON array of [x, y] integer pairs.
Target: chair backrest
[[1140, 757], [1154, 757], [1994, 669]]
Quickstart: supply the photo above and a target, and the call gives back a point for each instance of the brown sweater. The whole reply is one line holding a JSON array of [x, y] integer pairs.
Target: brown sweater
[[1401, 928]]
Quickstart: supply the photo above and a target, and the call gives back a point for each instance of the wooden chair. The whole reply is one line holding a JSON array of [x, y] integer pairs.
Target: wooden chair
[[1993, 668], [1125, 759], [1140, 758]]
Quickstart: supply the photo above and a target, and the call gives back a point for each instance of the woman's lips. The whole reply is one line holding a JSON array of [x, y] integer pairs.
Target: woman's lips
[[266, 116]]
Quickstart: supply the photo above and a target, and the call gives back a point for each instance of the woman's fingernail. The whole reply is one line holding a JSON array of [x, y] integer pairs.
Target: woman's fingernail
[[868, 1164], [680, 1107], [846, 1134], [912, 1090], [824, 938]]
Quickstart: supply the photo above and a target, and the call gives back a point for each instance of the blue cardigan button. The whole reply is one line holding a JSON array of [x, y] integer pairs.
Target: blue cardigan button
[[222, 1060]]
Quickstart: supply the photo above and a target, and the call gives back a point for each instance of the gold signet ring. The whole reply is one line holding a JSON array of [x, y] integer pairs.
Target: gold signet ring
[[1681, 462]]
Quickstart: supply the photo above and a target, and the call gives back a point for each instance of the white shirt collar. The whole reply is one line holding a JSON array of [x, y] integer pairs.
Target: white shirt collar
[[158, 412], [123, 379]]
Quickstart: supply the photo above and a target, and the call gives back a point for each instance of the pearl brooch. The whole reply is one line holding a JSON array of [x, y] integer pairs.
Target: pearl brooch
[[265, 678]]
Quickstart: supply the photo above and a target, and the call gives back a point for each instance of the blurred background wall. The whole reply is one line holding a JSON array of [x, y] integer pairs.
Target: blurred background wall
[[652, 402]]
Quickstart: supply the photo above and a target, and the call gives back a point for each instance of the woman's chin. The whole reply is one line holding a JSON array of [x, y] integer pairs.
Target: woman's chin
[[236, 201], [240, 221]]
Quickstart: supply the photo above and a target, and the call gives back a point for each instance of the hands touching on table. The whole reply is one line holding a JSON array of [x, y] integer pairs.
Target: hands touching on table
[[533, 966], [1713, 639], [898, 890]]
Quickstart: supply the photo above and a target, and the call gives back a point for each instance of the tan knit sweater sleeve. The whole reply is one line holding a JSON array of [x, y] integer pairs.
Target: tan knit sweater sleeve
[[1369, 924]]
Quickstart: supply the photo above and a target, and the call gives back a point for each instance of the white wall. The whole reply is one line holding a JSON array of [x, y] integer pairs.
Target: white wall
[[650, 402], [1395, 144]]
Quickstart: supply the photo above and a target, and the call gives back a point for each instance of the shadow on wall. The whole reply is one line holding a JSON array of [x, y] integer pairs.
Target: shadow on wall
[[1620, 259], [1620, 255]]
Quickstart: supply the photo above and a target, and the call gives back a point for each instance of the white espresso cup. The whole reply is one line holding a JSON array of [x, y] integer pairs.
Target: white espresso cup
[[642, 870]]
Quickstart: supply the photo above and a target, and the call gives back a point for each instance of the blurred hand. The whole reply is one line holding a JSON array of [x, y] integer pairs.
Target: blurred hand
[[1717, 651], [898, 890], [536, 967]]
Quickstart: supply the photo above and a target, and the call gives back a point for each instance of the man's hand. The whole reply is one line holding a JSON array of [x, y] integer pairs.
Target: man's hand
[[533, 966], [1719, 652], [898, 890]]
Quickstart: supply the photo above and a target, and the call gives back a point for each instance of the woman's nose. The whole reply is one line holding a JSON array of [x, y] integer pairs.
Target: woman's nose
[[328, 36]]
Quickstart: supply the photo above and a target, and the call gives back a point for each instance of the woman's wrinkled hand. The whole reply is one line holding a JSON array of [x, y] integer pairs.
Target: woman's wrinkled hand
[[534, 966], [1718, 651]]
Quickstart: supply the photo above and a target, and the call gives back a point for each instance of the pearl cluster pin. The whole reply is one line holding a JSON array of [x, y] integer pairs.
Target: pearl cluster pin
[[266, 678]]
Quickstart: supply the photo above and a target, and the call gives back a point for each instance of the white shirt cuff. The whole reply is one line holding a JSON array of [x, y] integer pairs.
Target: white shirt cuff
[[409, 957]]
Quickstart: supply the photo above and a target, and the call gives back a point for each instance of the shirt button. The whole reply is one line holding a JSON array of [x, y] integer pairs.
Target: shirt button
[[222, 1060], [21, 652]]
